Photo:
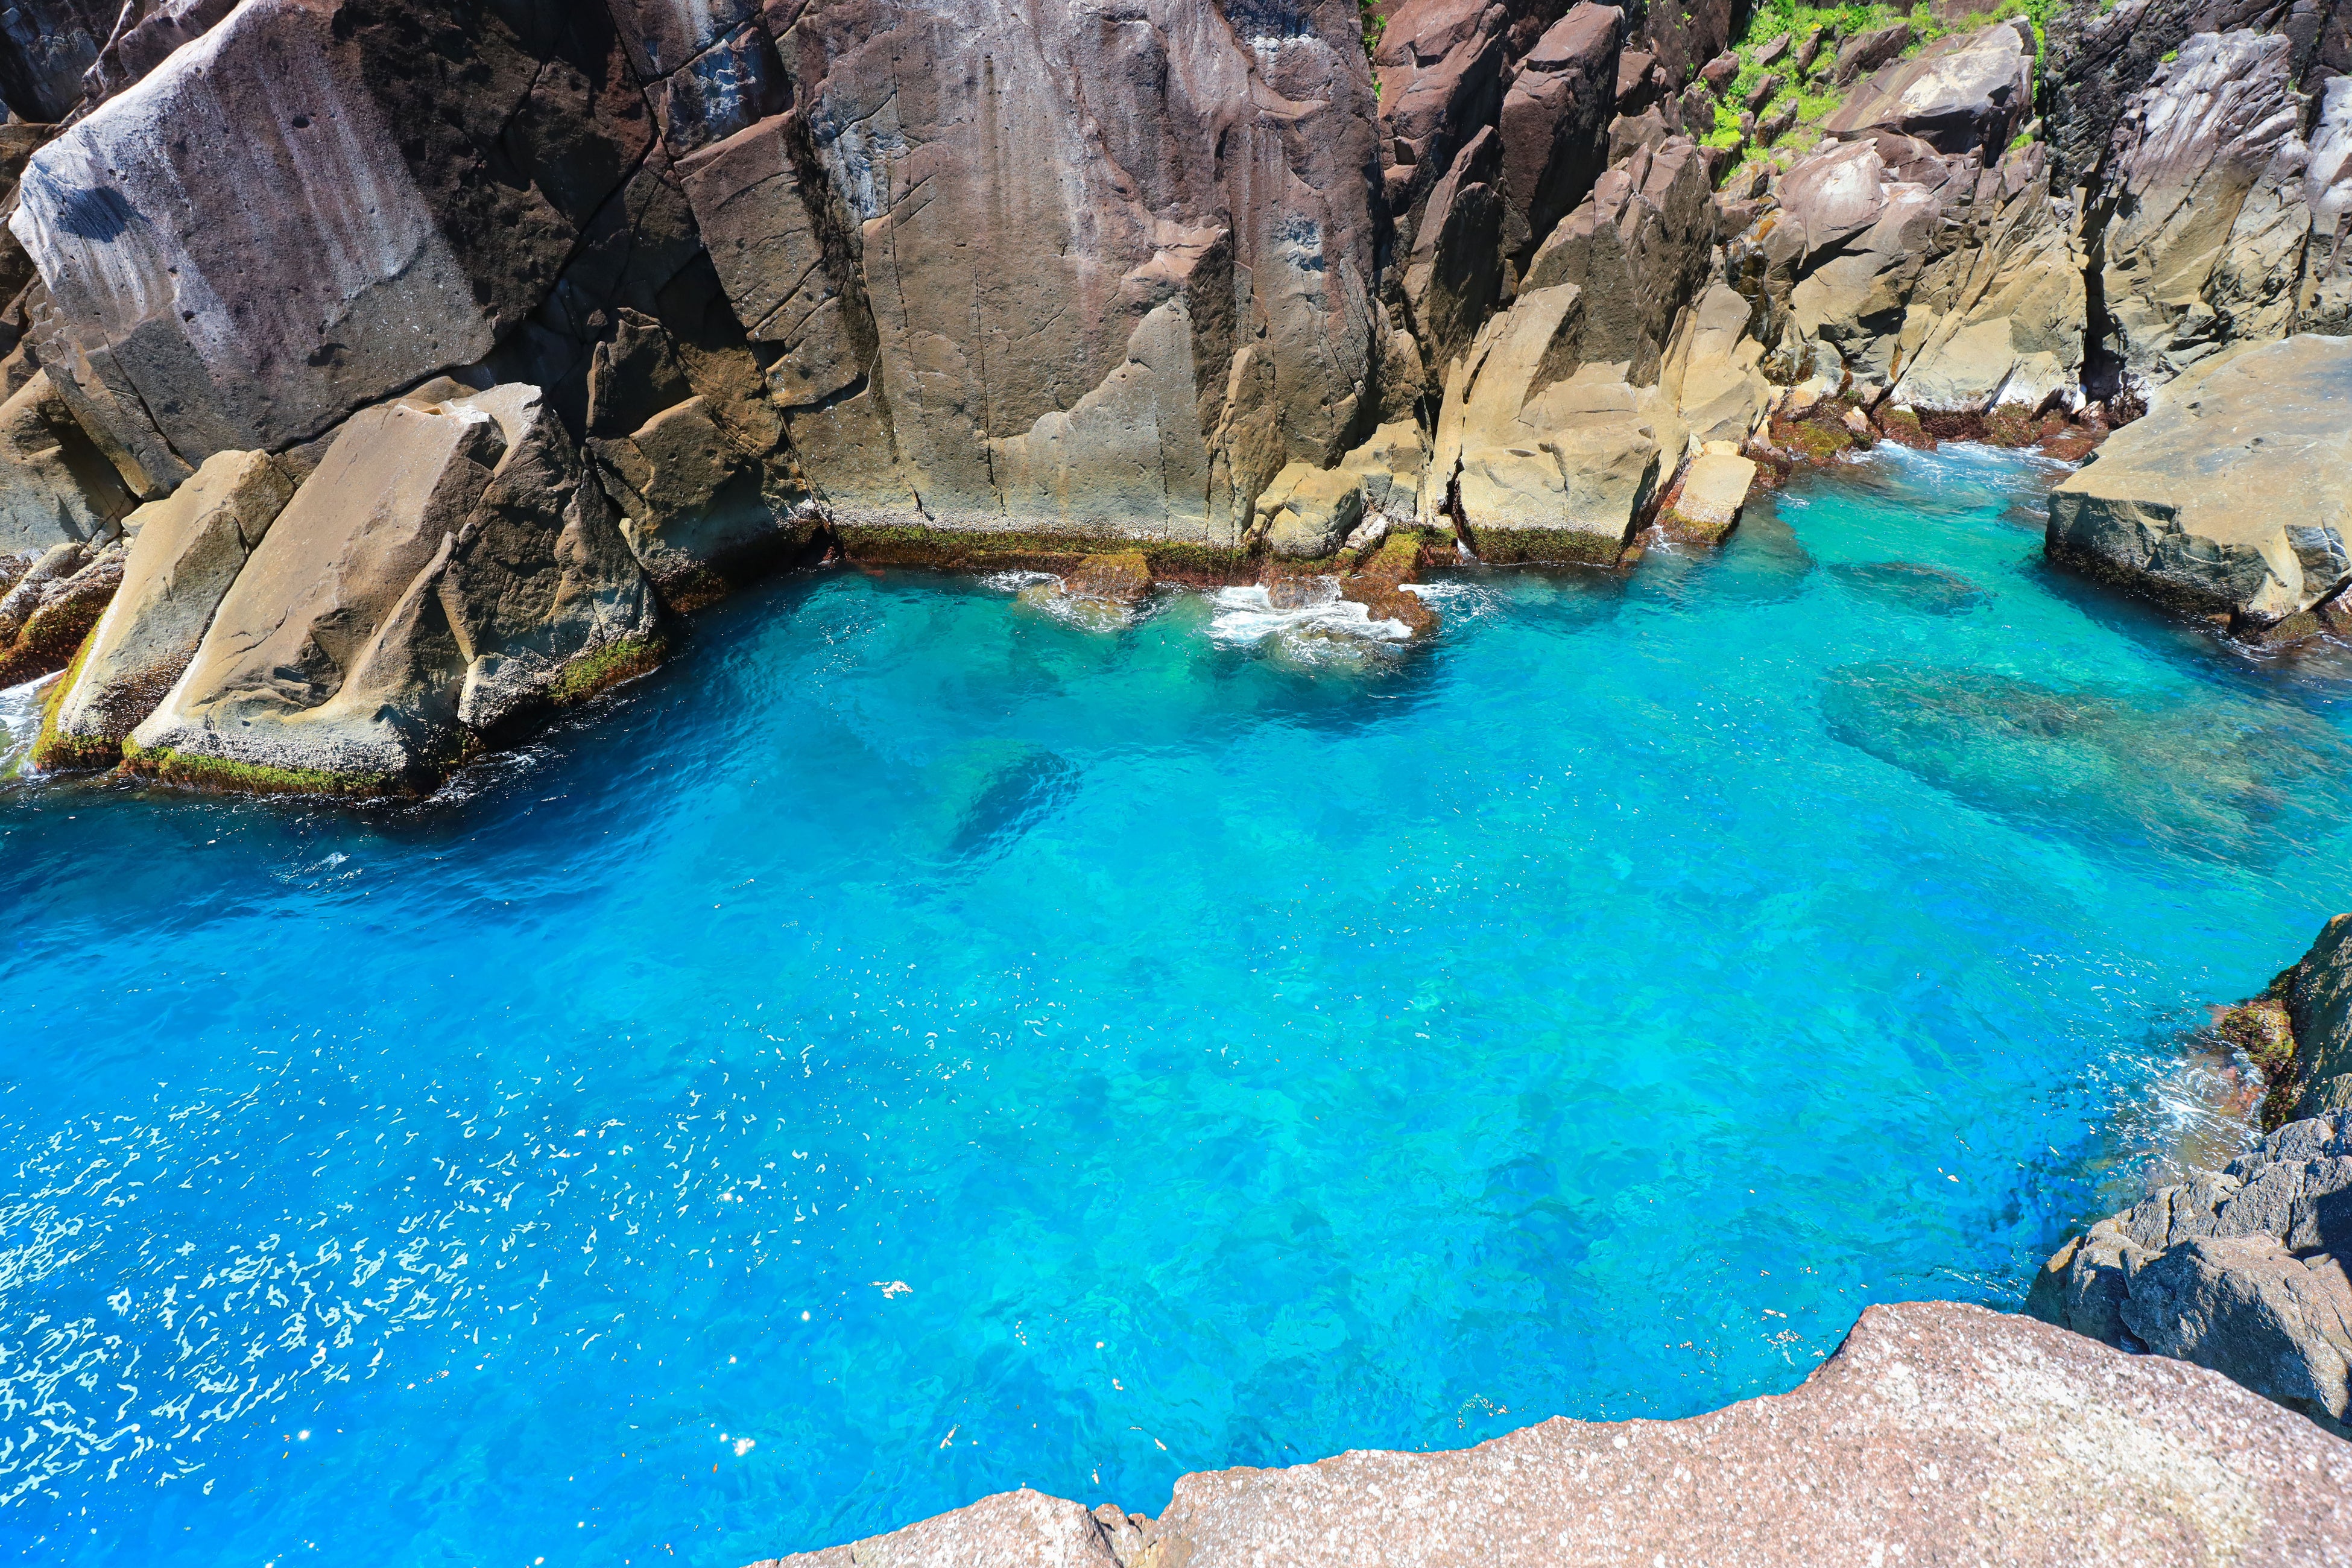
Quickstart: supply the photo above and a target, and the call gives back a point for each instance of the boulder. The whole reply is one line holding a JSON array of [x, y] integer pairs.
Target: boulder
[[1865, 52], [51, 607], [2240, 1270], [1551, 460], [1938, 1433], [149, 41], [1553, 118], [2220, 211], [307, 209], [1390, 464], [186, 550], [2097, 57], [1683, 36], [1713, 373], [1965, 93], [445, 567], [2233, 497], [1713, 492], [1305, 512]]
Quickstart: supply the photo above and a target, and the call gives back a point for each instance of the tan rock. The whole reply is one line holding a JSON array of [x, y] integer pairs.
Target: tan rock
[[186, 553], [447, 567], [55, 483], [2233, 497], [1305, 512], [1938, 1433], [1714, 492]]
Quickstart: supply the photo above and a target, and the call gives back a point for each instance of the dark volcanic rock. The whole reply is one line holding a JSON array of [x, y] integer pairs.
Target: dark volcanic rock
[[1554, 118], [1938, 1432]]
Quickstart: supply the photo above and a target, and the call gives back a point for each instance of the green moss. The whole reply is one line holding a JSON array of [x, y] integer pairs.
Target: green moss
[[71, 753], [972, 550], [247, 778], [1374, 25], [604, 668], [1546, 547], [2262, 1029]]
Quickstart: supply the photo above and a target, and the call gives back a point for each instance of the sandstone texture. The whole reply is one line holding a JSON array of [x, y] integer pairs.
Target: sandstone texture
[[1938, 1432], [2234, 497]]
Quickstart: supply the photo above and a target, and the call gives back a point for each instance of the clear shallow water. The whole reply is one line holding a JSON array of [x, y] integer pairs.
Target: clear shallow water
[[914, 1046]]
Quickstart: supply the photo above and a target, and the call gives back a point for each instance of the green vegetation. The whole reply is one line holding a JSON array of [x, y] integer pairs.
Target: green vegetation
[[1374, 25], [248, 778], [71, 753], [1817, 100], [606, 668]]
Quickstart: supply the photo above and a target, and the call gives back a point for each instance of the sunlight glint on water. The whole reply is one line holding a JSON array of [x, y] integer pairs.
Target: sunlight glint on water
[[915, 1046]]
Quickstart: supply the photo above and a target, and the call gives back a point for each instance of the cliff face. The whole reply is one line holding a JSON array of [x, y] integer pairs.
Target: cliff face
[[983, 281]]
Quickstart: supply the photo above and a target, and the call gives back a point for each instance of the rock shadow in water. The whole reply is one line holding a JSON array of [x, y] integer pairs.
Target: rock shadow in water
[[2217, 779], [988, 794], [1930, 590]]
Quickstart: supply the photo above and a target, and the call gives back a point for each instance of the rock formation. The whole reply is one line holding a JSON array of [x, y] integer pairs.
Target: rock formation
[[905, 281], [1938, 1432], [2233, 500]]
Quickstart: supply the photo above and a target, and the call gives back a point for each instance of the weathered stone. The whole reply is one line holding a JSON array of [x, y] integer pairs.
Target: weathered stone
[[1439, 66], [1390, 463], [2230, 498], [1713, 492], [312, 205], [1682, 37], [2237, 1270], [51, 608], [186, 552], [1553, 118], [1453, 275], [1305, 512], [2099, 55], [46, 46], [1937, 1433], [1712, 372], [2217, 204], [1960, 94], [1637, 248], [55, 484], [1131, 261], [445, 568], [1865, 52], [2319, 1006]]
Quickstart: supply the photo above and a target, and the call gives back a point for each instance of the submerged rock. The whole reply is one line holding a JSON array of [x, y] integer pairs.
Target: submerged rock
[[2215, 778], [1930, 590], [1938, 1433]]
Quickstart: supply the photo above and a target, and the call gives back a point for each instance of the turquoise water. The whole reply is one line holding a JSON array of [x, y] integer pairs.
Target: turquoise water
[[913, 1047]]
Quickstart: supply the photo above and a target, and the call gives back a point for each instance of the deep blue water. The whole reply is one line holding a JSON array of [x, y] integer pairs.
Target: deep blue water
[[912, 1046]]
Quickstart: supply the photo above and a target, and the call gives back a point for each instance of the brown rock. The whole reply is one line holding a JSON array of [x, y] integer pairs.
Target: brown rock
[[1865, 52], [1553, 118], [1938, 1432]]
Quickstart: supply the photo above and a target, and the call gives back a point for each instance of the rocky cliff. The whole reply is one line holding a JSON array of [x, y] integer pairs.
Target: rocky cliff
[[379, 373], [1937, 1433]]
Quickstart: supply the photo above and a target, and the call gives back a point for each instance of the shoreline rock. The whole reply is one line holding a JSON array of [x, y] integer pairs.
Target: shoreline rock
[[1938, 1433]]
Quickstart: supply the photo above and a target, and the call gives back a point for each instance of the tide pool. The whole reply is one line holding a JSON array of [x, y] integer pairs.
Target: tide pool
[[913, 1045]]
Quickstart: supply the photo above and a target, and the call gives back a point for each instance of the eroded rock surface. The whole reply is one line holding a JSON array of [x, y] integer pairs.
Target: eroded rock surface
[[2241, 1270], [1938, 1433], [2234, 497]]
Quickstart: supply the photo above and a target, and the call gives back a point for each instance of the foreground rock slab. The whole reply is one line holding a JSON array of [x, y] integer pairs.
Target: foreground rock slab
[[1938, 1432], [2233, 497]]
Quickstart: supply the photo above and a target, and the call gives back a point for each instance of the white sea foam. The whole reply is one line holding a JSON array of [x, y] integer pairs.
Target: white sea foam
[[1323, 628], [20, 720]]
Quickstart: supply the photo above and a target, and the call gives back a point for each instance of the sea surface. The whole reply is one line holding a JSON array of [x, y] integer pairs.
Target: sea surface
[[921, 1042]]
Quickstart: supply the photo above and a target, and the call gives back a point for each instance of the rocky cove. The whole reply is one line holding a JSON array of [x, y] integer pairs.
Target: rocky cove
[[386, 379]]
